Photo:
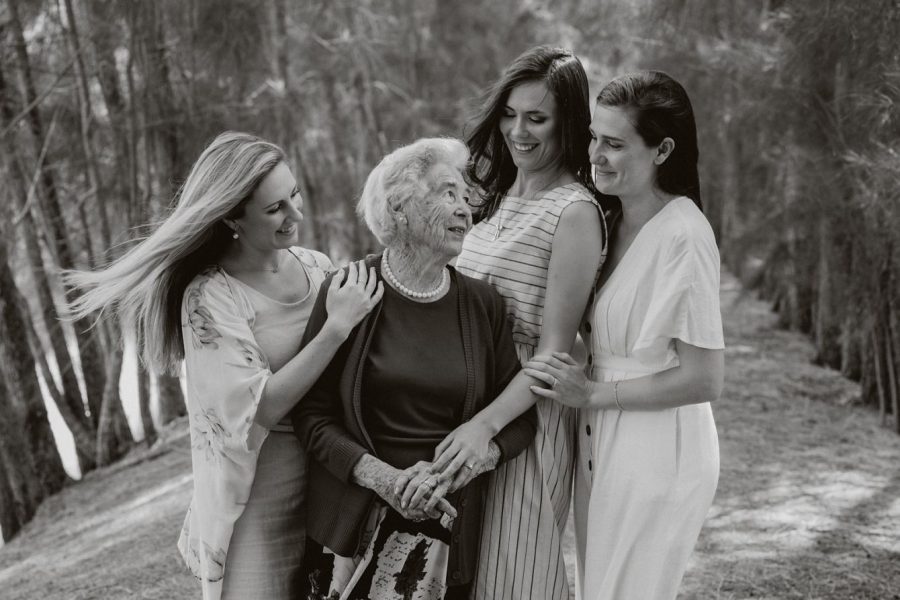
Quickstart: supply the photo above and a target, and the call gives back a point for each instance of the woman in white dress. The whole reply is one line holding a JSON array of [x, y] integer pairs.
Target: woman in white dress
[[222, 285], [648, 463]]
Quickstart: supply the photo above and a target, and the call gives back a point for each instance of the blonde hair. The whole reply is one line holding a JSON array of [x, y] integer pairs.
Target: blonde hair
[[400, 177], [146, 285]]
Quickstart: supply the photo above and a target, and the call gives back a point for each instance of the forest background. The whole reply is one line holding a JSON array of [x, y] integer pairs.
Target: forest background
[[104, 104]]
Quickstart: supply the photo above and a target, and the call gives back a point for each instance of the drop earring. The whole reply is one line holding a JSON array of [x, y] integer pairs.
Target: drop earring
[[235, 235]]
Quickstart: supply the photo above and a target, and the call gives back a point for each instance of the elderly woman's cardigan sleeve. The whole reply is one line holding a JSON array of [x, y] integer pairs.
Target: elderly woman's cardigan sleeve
[[318, 417], [520, 432]]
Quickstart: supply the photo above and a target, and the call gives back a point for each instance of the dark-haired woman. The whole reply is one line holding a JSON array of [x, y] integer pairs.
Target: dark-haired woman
[[648, 472], [539, 240]]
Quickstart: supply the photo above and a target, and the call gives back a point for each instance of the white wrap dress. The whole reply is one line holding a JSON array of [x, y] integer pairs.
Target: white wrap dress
[[644, 480]]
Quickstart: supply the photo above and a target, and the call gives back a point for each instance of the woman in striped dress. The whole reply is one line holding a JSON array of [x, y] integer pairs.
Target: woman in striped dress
[[539, 240]]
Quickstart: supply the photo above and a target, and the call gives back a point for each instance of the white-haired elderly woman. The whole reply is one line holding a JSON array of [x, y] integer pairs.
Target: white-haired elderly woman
[[435, 350], [222, 285]]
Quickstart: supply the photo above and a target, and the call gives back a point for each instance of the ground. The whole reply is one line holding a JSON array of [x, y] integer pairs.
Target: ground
[[808, 505]]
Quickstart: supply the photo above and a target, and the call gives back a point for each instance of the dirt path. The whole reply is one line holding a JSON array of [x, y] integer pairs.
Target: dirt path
[[808, 503]]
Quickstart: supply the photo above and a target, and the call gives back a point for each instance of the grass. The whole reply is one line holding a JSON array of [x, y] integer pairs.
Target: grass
[[808, 505]]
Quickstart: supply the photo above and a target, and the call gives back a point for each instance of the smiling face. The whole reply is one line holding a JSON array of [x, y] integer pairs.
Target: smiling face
[[272, 215], [530, 127], [625, 166], [440, 219]]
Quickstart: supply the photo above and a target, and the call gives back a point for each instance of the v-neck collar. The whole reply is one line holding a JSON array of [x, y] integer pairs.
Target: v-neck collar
[[644, 228]]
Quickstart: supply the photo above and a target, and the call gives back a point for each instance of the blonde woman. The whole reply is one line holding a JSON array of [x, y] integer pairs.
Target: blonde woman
[[222, 285]]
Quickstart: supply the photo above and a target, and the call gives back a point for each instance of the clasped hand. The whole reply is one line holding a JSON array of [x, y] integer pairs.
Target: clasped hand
[[564, 376], [419, 493]]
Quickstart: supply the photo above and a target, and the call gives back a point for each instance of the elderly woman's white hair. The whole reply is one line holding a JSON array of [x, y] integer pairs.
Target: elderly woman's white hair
[[400, 177]]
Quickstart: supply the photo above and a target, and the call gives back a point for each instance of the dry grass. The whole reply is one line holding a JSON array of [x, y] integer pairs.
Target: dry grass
[[808, 505]]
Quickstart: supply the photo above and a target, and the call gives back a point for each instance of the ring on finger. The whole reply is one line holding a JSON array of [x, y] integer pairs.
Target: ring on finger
[[469, 467], [555, 381]]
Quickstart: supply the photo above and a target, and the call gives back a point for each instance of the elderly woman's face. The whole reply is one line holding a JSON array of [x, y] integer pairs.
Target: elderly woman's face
[[440, 220]]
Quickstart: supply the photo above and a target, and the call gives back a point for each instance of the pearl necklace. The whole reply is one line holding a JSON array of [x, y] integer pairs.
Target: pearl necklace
[[386, 267]]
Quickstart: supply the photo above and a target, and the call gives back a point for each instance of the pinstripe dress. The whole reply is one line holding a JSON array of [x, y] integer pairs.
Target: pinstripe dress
[[528, 498]]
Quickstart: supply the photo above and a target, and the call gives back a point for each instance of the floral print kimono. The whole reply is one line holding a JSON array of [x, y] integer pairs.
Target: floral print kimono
[[226, 374]]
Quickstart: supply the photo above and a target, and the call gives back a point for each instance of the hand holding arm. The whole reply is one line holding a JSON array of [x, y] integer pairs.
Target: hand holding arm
[[698, 378], [570, 277]]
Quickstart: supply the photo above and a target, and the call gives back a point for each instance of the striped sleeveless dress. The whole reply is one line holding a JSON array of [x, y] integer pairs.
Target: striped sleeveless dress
[[528, 498]]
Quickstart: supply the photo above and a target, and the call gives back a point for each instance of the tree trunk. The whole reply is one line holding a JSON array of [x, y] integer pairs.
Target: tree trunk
[[89, 349], [828, 351], [791, 185], [10, 523], [112, 430], [27, 232], [891, 354], [57, 238], [22, 387], [171, 398], [15, 506], [144, 403], [880, 383]]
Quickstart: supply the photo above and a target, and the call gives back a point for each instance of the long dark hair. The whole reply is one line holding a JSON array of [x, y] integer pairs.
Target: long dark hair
[[659, 108], [492, 167]]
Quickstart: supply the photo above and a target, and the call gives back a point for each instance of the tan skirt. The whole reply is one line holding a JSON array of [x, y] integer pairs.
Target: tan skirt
[[266, 551]]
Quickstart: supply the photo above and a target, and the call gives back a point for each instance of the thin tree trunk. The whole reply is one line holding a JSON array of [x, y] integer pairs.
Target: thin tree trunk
[[171, 398], [791, 184], [89, 349], [112, 430], [10, 523], [58, 237], [893, 383], [20, 379], [823, 325], [144, 403], [879, 376], [14, 493]]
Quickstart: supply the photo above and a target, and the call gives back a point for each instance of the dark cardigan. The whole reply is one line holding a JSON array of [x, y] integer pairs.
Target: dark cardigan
[[329, 422]]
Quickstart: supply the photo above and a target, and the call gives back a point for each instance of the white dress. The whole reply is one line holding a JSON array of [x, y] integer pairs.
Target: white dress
[[644, 480]]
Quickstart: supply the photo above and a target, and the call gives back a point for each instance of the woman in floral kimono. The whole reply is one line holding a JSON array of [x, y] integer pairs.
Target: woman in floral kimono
[[222, 284]]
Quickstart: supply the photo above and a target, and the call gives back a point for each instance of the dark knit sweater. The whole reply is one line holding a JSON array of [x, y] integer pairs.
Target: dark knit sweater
[[329, 421]]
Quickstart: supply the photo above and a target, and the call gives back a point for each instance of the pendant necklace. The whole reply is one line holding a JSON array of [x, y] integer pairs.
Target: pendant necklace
[[498, 226]]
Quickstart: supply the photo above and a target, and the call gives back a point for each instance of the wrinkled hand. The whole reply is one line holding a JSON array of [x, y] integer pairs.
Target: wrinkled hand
[[375, 474], [466, 448], [420, 489], [564, 376], [467, 474], [352, 297]]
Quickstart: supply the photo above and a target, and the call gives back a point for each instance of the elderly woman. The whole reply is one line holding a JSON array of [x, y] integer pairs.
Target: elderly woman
[[433, 352]]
